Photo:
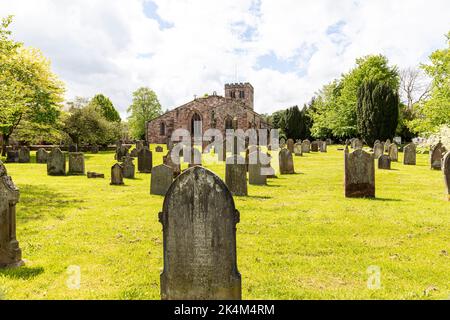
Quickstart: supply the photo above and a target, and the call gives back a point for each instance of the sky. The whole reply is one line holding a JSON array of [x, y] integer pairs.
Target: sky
[[287, 49]]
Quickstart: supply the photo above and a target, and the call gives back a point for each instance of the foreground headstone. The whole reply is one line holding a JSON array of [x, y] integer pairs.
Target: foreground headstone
[[116, 175], [378, 150], [359, 174], [145, 161], [12, 155], [236, 175], [306, 146], [409, 155], [255, 173], [24, 155], [286, 162], [436, 155], [446, 171], [41, 156], [56, 163], [128, 167], [199, 239], [76, 164], [393, 152], [298, 150], [162, 177], [384, 162], [10, 253]]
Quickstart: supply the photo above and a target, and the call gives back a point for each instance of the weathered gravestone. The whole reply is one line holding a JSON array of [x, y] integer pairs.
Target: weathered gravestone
[[162, 177], [315, 146], [76, 164], [359, 174], [436, 154], [357, 144], [306, 146], [446, 171], [286, 162], [323, 146], [290, 145], [298, 149], [95, 175], [56, 163], [41, 156], [393, 152], [134, 153], [256, 175], [24, 155], [175, 164], [116, 175], [384, 162], [409, 155], [236, 175], [145, 162], [386, 145], [10, 253], [199, 239], [128, 167], [12, 155], [121, 152], [378, 150], [139, 145], [159, 149]]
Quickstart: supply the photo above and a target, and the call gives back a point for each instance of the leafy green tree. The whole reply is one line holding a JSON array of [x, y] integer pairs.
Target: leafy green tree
[[106, 107], [377, 111], [145, 107]]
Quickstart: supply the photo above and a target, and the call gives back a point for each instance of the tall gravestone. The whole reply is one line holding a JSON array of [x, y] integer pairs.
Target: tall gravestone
[[24, 155], [199, 239], [306, 146], [290, 145], [384, 162], [256, 175], [10, 253], [378, 150], [446, 171], [436, 155], [236, 175], [145, 162], [76, 164], [56, 163], [298, 150], [286, 162], [116, 175], [409, 155], [162, 177], [359, 174], [393, 152], [41, 156], [128, 167]]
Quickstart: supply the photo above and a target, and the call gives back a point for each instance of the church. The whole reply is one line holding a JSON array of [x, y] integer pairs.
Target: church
[[211, 112]]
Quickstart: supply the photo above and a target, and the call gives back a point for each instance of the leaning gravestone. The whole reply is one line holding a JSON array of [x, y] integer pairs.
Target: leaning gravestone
[[116, 175], [56, 163], [76, 164], [446, 171], [409, 155], [236, 175], [24, 155], [255, 173], [199, 239], [359, 174], [12, 155], [286, 162], [298, 149], [436, 154], [145, 162], [393, 152], [128, 167], [306, 146], [378, 150], [162, 177], [10, 253], [384, 162], [290, 145], [41, 156]]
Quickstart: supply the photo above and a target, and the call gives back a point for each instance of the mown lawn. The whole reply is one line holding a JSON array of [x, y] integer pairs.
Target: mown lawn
[[299, 237]]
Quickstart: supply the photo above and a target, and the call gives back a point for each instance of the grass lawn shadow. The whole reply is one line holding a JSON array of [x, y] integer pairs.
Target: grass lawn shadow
[[23, 273]]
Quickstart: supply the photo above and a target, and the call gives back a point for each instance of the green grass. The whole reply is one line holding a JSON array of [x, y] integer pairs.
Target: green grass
[[299, 237]]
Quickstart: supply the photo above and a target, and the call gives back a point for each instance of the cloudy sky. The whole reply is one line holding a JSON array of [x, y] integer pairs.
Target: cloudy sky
[[180, 48]]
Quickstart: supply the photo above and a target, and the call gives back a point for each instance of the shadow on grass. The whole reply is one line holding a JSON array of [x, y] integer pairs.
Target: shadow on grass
[[385, 199], [23, 273], [259, 197]]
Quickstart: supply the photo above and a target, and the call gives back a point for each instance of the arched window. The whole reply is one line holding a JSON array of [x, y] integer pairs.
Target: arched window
[[228, 123], [162, 129], [196, 124]]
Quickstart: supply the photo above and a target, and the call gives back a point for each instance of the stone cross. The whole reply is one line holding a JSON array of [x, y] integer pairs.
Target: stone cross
[[10, 253], [359, 174], [145, 162], [116, 175], [236, 175], [162, 177], [76, 164], [409, 155], [56, 163], [446, 171], [41, 156], [199, 239], [286, 162], [384, 162]]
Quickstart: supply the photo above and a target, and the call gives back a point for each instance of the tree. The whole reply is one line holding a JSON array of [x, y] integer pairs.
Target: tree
[[414, 85], [377, 111], [145, 107], [105, 107]]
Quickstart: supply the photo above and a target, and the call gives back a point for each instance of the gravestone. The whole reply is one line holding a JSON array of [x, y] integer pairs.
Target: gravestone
[[199, 239], [56, 163], [323, 146], [286, 162], [145, 162], [378, 150], [255, 173], [436, 155], [267, 169], [386, 145], [357, 144], [168, 161], [409, 155], [162, 177], [134, 153], [384, 162], [290, 145], [359, 174], [236, 175], [121, 152], [41, 156], [12, 155], [159, 149], [393, 152], [446, 171], [128, 167], [10, 253], [306, 146], [94, 149], [95, 175], [24, 155], [298, 149], [76, 164], [315, 146], [139, 145], [116, 175]]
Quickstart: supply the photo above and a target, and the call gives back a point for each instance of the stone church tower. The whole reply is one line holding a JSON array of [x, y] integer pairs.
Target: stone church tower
[[241, 92]]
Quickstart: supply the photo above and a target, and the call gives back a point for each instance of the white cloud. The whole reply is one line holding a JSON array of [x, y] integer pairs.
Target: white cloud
[[113, 47]]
